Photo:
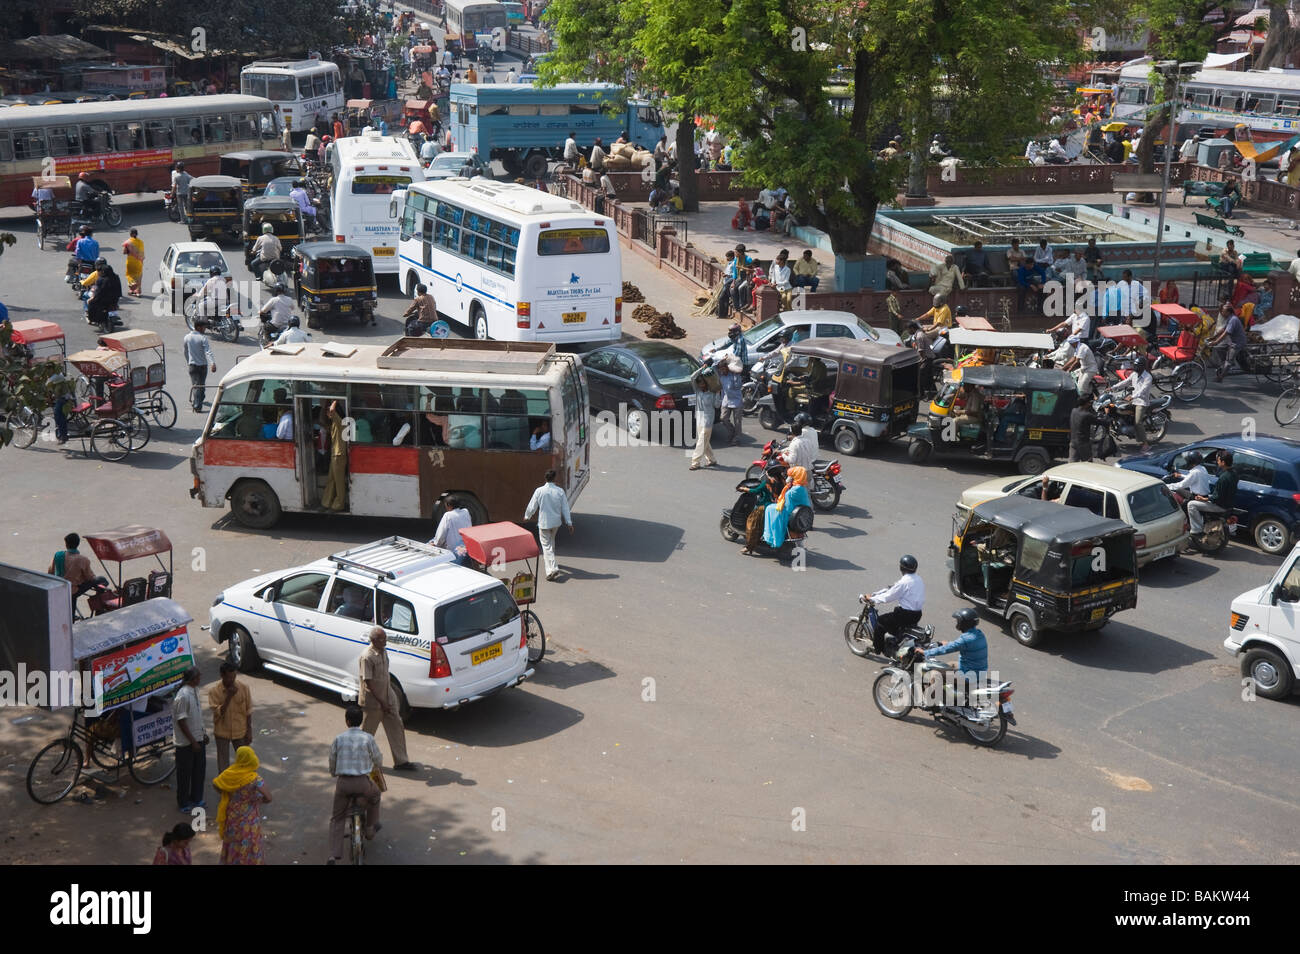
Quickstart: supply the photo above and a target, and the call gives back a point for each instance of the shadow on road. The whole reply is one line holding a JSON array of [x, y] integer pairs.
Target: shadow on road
[[607, 537], [512, 717], [1124, 649]]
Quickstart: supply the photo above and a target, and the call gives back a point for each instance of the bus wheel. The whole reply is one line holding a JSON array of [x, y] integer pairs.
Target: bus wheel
[[535, 166], [410, 284], [477, 512], [254, 504], [478, 321]]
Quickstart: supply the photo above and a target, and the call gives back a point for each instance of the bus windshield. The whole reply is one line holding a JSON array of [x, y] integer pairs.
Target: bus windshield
[[278, 89], [572, 242]]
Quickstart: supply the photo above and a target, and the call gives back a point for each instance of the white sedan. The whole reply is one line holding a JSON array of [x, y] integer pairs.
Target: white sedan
[[765, 336], [185, 266]]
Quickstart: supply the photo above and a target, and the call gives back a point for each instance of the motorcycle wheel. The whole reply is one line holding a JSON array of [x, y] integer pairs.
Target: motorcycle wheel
[[754, 472], [892, 693], [1156, 427], [112, 217], [1214, 538], [826, 500], [768, 419], [729, 533], [857, 638], [991, 735], [230, 330], [749, 397]]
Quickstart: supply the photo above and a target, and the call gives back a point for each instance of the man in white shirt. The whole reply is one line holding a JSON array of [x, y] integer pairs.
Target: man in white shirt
[[1044, 255], [1079, 324], [550, 504], [1033, 150], [1196, 482], [293, 334], [945, 276], [354, 754], [540, 438], [455, 518], [284, 426], [1294, 267], [1188, 152], [909, 593], [1082, 363], [803, 446], [1133, 297], [571, 149], [1056, 151], [1140, 381], [191, 743], [428, 151]]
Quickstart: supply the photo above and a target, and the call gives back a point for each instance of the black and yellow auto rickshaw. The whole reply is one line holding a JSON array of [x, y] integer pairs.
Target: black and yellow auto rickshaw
[[331, 279], [853, 390], [999, 412], [1043, 566], [286, 224], [258, 167], [216, 208]]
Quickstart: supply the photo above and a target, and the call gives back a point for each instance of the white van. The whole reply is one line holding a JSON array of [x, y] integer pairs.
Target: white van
[[1265, 631], [455, 635]]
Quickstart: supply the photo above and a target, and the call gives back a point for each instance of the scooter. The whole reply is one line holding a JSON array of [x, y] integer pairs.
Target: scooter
[[734, 519], [864, 636], [826, 483], [982, 711]]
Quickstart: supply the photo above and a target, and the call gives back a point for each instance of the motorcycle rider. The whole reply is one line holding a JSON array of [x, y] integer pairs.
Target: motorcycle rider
[[293, 334], [214, 297], [908, 591], [266, 250], [1196, 481], [1141, 382], [84, 252], [1219, 500], [300, 195], [1080, 362], [277, 312], [85, 194], [972, 647], [105, 297], [803, 446], [422, 313]]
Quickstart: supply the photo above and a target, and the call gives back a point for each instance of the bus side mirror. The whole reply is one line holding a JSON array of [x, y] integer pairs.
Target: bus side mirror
[[1277, 594]]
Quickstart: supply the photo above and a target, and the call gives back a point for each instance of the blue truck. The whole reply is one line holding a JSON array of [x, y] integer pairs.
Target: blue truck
[[525, 126]]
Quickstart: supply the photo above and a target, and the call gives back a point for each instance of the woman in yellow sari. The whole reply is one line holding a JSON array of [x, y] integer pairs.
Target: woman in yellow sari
[[133, 250], [239, 817]]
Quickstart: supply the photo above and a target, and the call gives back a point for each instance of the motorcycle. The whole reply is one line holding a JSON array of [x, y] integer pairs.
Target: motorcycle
[[172, 206], [864, 636], [826, 486], [985, 716], [1116, 418], [735, 517], [96, 210], [1216, 528], [225, 325]]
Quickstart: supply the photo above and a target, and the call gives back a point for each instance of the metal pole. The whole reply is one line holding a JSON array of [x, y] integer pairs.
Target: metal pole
[[1164, 189]]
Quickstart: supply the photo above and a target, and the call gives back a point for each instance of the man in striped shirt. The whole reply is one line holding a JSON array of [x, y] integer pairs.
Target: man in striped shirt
[[353, 755]]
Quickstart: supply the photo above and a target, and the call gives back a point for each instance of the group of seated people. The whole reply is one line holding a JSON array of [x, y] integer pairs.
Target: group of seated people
[[772, 210]]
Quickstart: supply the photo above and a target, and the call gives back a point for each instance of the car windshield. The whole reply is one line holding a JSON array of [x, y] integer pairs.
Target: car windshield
[[196, 261], [762, 330], [867, 330], [279, 188], [672, 368], [447, 161], [475, 614], [1151, 503]]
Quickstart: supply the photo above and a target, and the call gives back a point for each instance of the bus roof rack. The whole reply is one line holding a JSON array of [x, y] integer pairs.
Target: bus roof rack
[[392, 557], [454, 354]]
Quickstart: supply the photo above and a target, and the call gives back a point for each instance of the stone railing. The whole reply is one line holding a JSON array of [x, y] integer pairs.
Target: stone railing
[[688, 260], [1037, 180], [631, 187]]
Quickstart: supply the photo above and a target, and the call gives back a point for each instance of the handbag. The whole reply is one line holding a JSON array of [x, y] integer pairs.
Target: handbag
[[377, 776]]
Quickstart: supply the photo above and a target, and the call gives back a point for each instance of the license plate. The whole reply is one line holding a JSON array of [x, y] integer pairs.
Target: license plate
[[1098, 613], [1166, 552], [345, 307], [486, 653], [382, 251], [1008, 707], [574, 317]]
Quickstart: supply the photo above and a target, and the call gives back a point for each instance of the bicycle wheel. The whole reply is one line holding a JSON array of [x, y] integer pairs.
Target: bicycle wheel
[[536, 636], [1287, 409], [54, 771], [1189, 383], [139, 428], [26, 425], [110, 441], [357, 837], [162, 409], [153, 763], [82, 390]]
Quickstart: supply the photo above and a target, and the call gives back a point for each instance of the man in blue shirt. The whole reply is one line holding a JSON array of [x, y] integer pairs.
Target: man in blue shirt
[[86, 251], [971, 645]]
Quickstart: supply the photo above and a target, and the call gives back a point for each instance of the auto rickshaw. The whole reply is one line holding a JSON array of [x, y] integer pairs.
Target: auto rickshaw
[[1043, 566], [216, 208], [285, 218], [332, 279], [1007, 347], [358, 115], [258, 167], [853, 390], [1022, 415]]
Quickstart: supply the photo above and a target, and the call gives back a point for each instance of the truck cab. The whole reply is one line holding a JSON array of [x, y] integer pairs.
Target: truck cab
[[1264, 631]]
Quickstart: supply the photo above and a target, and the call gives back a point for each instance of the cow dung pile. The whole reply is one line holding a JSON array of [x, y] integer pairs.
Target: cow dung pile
[[631, 293], [643, 312], [663, 325]]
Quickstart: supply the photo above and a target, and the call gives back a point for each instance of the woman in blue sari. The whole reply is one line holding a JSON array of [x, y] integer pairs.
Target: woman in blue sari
[[777, 516]]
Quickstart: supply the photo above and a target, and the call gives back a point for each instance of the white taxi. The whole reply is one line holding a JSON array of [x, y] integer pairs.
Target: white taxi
[[455, 635]]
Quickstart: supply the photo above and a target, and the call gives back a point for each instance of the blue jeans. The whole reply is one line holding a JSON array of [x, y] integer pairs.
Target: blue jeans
[[805, 281], [61, 419]]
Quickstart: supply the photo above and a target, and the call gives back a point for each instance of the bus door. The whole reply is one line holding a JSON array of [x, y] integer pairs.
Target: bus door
[[312, 436], [572, 453]]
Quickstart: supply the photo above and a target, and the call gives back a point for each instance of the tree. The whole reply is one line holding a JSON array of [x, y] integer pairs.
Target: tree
[[1282, 38], [1179, 33]]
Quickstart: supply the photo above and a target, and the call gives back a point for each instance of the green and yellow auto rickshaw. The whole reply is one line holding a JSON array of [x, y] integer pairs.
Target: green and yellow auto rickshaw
[[331, 279], [216, 208]]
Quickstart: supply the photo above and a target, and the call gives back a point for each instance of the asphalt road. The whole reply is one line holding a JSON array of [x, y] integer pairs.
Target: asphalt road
[[698, 705]]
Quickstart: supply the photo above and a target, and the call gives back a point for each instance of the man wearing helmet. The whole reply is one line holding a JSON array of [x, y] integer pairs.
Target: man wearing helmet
[[971, 644], [802, 449], [1140, 381], [293, 334], [215, 294], [266, 249], [909, 593], [85, 192]]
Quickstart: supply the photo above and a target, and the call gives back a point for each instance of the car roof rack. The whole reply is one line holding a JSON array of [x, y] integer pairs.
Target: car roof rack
[[392, 557]]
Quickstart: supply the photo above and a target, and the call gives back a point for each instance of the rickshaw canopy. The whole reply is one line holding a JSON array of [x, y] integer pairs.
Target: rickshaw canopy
[[499, 542], [1047, 521], [98, 635], [1178, 313], [860, 364], [128, 341], [99, 362], [51, 182], [1008, 377], [1123, 334], [973, 323], [128, 543], [359, 103], [1021, 340], [33, 330]]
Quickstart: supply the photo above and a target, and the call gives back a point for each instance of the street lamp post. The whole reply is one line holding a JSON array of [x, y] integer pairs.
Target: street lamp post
[[1169, 153]]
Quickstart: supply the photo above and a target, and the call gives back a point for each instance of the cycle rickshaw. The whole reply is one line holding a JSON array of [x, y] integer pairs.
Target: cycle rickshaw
[[36, 340], [133, 659], [509, 552], [53, 216], [147, 366], [104, 417], [122, 545]]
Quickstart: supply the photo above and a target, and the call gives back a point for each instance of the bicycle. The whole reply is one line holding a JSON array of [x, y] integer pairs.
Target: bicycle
[[1286, 410], [356, 829], [57, 768]]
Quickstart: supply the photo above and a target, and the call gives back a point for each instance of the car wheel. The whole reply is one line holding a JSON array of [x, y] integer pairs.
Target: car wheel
[[1024, 630], [847, 441], [1272, 536], [1270, 673], [403, 707], [255, 505], [637, 424], [240, 651]]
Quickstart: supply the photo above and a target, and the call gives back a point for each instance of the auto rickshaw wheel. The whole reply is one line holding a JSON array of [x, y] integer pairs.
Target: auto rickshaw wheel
[[1024, 630], [847, 441], [767, 418], [954, 584], [313, 319], [1034, 462], [254, 504], [918, 451]]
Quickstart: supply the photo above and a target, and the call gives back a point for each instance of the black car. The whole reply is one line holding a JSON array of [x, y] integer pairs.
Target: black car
[[633, 379]]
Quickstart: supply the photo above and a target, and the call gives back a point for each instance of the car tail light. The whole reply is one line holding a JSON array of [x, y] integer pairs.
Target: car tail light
[[618, 310], [523, 632], [665, 402], [1296, 498], [439, 668], [339, 239], [1139, 541], [523, 314], [1005, 695]]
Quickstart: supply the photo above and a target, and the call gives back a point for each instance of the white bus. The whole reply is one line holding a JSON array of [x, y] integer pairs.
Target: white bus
[[471, 17], [510, 262], [298, 87], [365, 171], [1267, 101], [423, 418]]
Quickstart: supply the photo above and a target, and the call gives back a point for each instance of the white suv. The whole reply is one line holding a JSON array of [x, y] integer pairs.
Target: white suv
[[455, 635]]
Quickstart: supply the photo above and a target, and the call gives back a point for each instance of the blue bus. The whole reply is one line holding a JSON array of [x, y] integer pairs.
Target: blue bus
[[525, 126]]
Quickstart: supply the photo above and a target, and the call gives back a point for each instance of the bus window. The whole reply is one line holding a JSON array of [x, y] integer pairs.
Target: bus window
[[64, 141], [320, 85], [469, 399], [462, 113], [523, 109], [647, 115], [243, 125], [584, 109], [378, 185], [29, 144], [6, 147], [439, 400], [572, 242], [128, 136], [1264, 106], [158, 134], [216, 128], [189, 131], [465, 431], [281, 89], [1288, 106], [448, 236], [475, 247], [508, 259], [304, 87], [96, 138], [253, 84], [553, 109], [265, 391], [332, 81], [498, 109]]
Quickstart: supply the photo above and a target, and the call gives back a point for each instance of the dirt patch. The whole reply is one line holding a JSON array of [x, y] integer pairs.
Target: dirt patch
[[1129, 783], [661, 324]]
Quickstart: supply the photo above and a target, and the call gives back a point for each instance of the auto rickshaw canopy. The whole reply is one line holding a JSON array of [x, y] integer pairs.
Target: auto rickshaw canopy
[[128, 543], [860, 364], [1046, 520], [1001, 340]]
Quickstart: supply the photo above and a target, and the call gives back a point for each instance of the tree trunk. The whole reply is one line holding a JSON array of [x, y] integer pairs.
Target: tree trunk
[[920, 149], [1282, 38], [848, 238], [690, 184]]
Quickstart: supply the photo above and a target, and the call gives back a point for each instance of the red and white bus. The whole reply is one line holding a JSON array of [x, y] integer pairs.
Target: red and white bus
[[128, 146], [422, 419]]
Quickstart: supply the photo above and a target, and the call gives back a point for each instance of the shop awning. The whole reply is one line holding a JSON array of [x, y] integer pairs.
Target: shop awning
[[60, 46]]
